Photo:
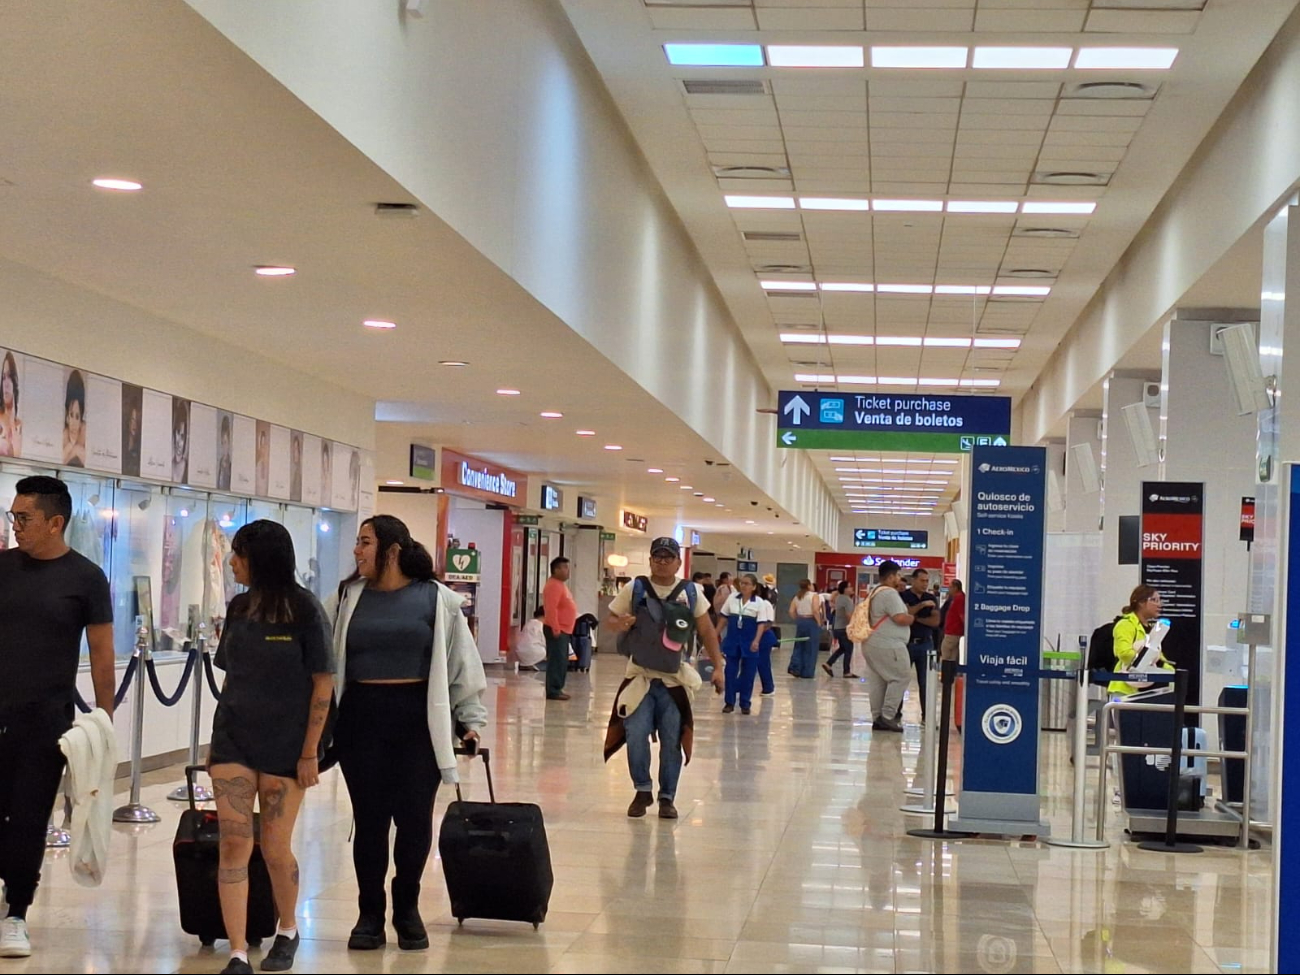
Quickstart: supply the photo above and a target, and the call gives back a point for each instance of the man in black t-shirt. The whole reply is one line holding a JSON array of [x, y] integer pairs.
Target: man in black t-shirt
[[49, 596], [925, 615]]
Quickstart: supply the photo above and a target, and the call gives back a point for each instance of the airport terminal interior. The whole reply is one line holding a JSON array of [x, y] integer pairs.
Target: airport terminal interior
[[869, 411]]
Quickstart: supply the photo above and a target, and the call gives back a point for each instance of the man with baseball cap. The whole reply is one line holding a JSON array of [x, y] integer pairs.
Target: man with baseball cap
[[653, 700]]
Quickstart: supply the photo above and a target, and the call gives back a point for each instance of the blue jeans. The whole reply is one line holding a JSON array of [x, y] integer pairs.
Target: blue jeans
[[803, 661], [656, 713]]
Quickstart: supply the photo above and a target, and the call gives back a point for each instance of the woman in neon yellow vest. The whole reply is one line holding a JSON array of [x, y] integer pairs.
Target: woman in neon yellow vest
[[1131, 631]]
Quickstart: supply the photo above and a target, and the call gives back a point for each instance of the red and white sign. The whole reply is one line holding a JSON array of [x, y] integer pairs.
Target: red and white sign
[[1171, 536], [949, 573], [472, 477]]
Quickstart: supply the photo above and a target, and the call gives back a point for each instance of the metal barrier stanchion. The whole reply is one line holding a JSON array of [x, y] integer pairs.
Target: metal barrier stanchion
[[925, 763], [57, 839], [135, 811], [1080, 814], [1170, 843], [941, 831], [191, 790]]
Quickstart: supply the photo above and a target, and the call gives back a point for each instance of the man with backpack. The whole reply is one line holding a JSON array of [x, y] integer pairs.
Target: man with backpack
[[657, 620]]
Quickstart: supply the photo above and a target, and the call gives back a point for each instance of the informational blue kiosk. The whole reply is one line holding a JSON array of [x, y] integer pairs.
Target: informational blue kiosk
[[999, 786]]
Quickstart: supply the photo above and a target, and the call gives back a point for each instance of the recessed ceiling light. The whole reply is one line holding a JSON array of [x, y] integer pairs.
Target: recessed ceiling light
[[1023, 58], [848, 286], [918, 57], [943, 342], [983, 206], [1023, 291], [508, 392], [788, 285], [907, 206], [672, 480], [759, 202], [715, 55], [1126, 58], [613, 446], [905, 289], [815, 56], [832, 203], [720, 504], [395, 483], [586, 433], [454, 363], [687, 487], [655, 470], [750, 522], [119, 185], [273, 271], [962, 289], [904, 340], [378, 324], [709, 501], [1045, 206], [551, 415]]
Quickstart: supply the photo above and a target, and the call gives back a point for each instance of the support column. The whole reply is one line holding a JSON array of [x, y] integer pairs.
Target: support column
[[1121, 483]]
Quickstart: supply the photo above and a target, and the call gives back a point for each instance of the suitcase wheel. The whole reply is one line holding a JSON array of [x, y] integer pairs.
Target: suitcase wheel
[[460, 922], [207, 942], [536, 925]]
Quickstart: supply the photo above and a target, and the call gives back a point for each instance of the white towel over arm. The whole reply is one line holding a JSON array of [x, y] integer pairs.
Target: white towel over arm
[[91, 748]]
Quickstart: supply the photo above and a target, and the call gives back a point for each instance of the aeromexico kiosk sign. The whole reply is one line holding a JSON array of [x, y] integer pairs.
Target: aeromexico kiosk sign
[[999, 786], [1173, 554]]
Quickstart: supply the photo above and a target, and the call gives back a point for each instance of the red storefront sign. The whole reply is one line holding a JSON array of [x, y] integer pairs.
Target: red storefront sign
[[472, 477]]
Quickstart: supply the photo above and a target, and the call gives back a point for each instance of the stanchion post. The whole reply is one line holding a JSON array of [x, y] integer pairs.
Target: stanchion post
[[200, 793], [1079, 814], [1170, 843], [135, 811], [925, 764], [940, 831]]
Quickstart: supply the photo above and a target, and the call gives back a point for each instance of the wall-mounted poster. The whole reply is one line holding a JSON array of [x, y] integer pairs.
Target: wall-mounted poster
[[225, 449], [203, 446], [295, 465], [156, 439], [279, 463], [11, 386], [326, 473], [74, 418], [262, 482], [244, 459], [347, 472], [312, 454], [132, 429], [354, 479], [104, 424], [180, 440], [41, 407], [366, 503]]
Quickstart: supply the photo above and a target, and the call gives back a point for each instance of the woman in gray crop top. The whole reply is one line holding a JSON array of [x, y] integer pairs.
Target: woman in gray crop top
[[409, 672]]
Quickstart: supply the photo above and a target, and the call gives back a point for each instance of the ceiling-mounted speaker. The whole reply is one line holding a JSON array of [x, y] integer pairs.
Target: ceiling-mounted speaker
[[1055, 497], [1241, 353], [950, 525], [960, 511], [413, 8], [1137, 420], [1086, 464]]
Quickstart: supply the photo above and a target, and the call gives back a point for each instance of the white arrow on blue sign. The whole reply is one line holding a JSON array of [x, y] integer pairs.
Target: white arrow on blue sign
[[797, 409]]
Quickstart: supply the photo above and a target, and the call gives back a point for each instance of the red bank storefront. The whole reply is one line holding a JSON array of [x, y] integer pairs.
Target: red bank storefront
[[861, 570]]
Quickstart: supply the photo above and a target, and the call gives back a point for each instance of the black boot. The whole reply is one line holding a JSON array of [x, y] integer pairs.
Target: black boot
[[411, 933], [368, 934]]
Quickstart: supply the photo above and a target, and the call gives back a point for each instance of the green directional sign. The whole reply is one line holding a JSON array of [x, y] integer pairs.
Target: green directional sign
[[937, 443]]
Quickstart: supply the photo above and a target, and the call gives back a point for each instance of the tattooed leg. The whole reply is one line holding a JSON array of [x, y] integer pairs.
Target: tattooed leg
[[236, 790], [280, 800]]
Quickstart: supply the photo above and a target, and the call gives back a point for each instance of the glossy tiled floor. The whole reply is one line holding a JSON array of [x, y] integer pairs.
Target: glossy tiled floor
[[790, 856]]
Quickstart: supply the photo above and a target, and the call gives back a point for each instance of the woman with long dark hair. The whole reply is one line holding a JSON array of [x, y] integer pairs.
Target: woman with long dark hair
[[409, 680], [11, 428], [268, 728]]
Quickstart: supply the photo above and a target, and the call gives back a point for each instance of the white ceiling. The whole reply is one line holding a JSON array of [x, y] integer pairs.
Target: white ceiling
[[936, 135]]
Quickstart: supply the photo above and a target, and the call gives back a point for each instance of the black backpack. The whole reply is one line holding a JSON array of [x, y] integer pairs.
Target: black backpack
[[1101, 649], [664, 631]]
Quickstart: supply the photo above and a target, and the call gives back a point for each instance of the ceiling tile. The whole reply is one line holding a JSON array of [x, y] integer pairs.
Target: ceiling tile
[[1144, 21], [810, 18], [853, 120], [771, 146], [1061, 137], [668, 18], [823, 103], [829, 134], [914, 18], [1030, 21], [905, 120], [1096, 123], [1013, 89], [827, 84], [1025, 123], [705, 117], [919, 88], [1111, 106], [808, 3]]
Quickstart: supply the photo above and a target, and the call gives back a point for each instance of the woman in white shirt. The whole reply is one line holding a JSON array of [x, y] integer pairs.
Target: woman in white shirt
[[530, 642], [806, 608], [748, 618]]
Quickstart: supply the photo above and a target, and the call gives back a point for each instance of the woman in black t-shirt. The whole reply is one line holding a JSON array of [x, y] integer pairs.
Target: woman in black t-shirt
[[268, 728]]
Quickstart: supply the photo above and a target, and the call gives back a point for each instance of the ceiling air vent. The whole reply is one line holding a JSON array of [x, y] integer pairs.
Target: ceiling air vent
[[773, 236], [724, 86], [778, 293], [1113, 89], [1051, 233], [784, 269], [751, 172], [1067, 178], [406, 210]]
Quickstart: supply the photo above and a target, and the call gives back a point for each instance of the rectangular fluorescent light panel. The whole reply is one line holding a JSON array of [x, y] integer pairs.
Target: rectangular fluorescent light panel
[[918, 57], [789, 285], [760, 202], [848, 286], [832, 203], [1126, 58], [905, 340], [852, 340], [905, 289], [812, 378], [815, 56], [997, 343], [962, 289], [937, 382], [935, 342], [803, 338], [715, 55], [1023, 58], [907, 206], [983, 206], [1056, 206], [1022, 291]]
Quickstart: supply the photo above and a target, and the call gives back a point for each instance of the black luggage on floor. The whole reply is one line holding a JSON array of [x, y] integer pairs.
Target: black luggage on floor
[[196, 851], [496, 858]]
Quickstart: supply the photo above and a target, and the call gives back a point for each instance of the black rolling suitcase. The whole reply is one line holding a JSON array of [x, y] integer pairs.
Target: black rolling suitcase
[[495, 857], [196, 851]]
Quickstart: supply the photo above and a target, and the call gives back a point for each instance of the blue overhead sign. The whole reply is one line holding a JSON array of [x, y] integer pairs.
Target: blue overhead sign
[[1008, 493], [895, 538], [892, 421]]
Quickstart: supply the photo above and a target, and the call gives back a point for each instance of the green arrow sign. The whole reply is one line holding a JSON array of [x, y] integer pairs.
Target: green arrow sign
[[938, 443]]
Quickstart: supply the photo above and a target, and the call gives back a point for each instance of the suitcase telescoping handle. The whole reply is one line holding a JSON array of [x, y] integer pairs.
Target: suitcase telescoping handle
[[189, 781], [471, 749]]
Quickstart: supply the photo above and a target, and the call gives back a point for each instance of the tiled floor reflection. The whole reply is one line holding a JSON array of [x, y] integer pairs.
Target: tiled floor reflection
[[790, 856]]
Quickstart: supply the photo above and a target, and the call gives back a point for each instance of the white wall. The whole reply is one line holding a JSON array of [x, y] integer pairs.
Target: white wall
[[492, 115], [44, 316], [1082, 506]]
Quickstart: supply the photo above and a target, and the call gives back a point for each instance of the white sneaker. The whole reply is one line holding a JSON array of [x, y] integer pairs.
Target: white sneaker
[[14, 942]]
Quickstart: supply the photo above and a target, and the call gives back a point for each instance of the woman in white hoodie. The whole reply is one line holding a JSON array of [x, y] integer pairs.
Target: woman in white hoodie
[[409, 678]]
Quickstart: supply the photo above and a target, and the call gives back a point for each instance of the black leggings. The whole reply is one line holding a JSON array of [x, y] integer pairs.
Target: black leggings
[[31, 766], [392, 775]]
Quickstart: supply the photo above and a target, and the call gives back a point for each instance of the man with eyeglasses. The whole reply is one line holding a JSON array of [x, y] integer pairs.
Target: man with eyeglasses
[[49, 596]]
